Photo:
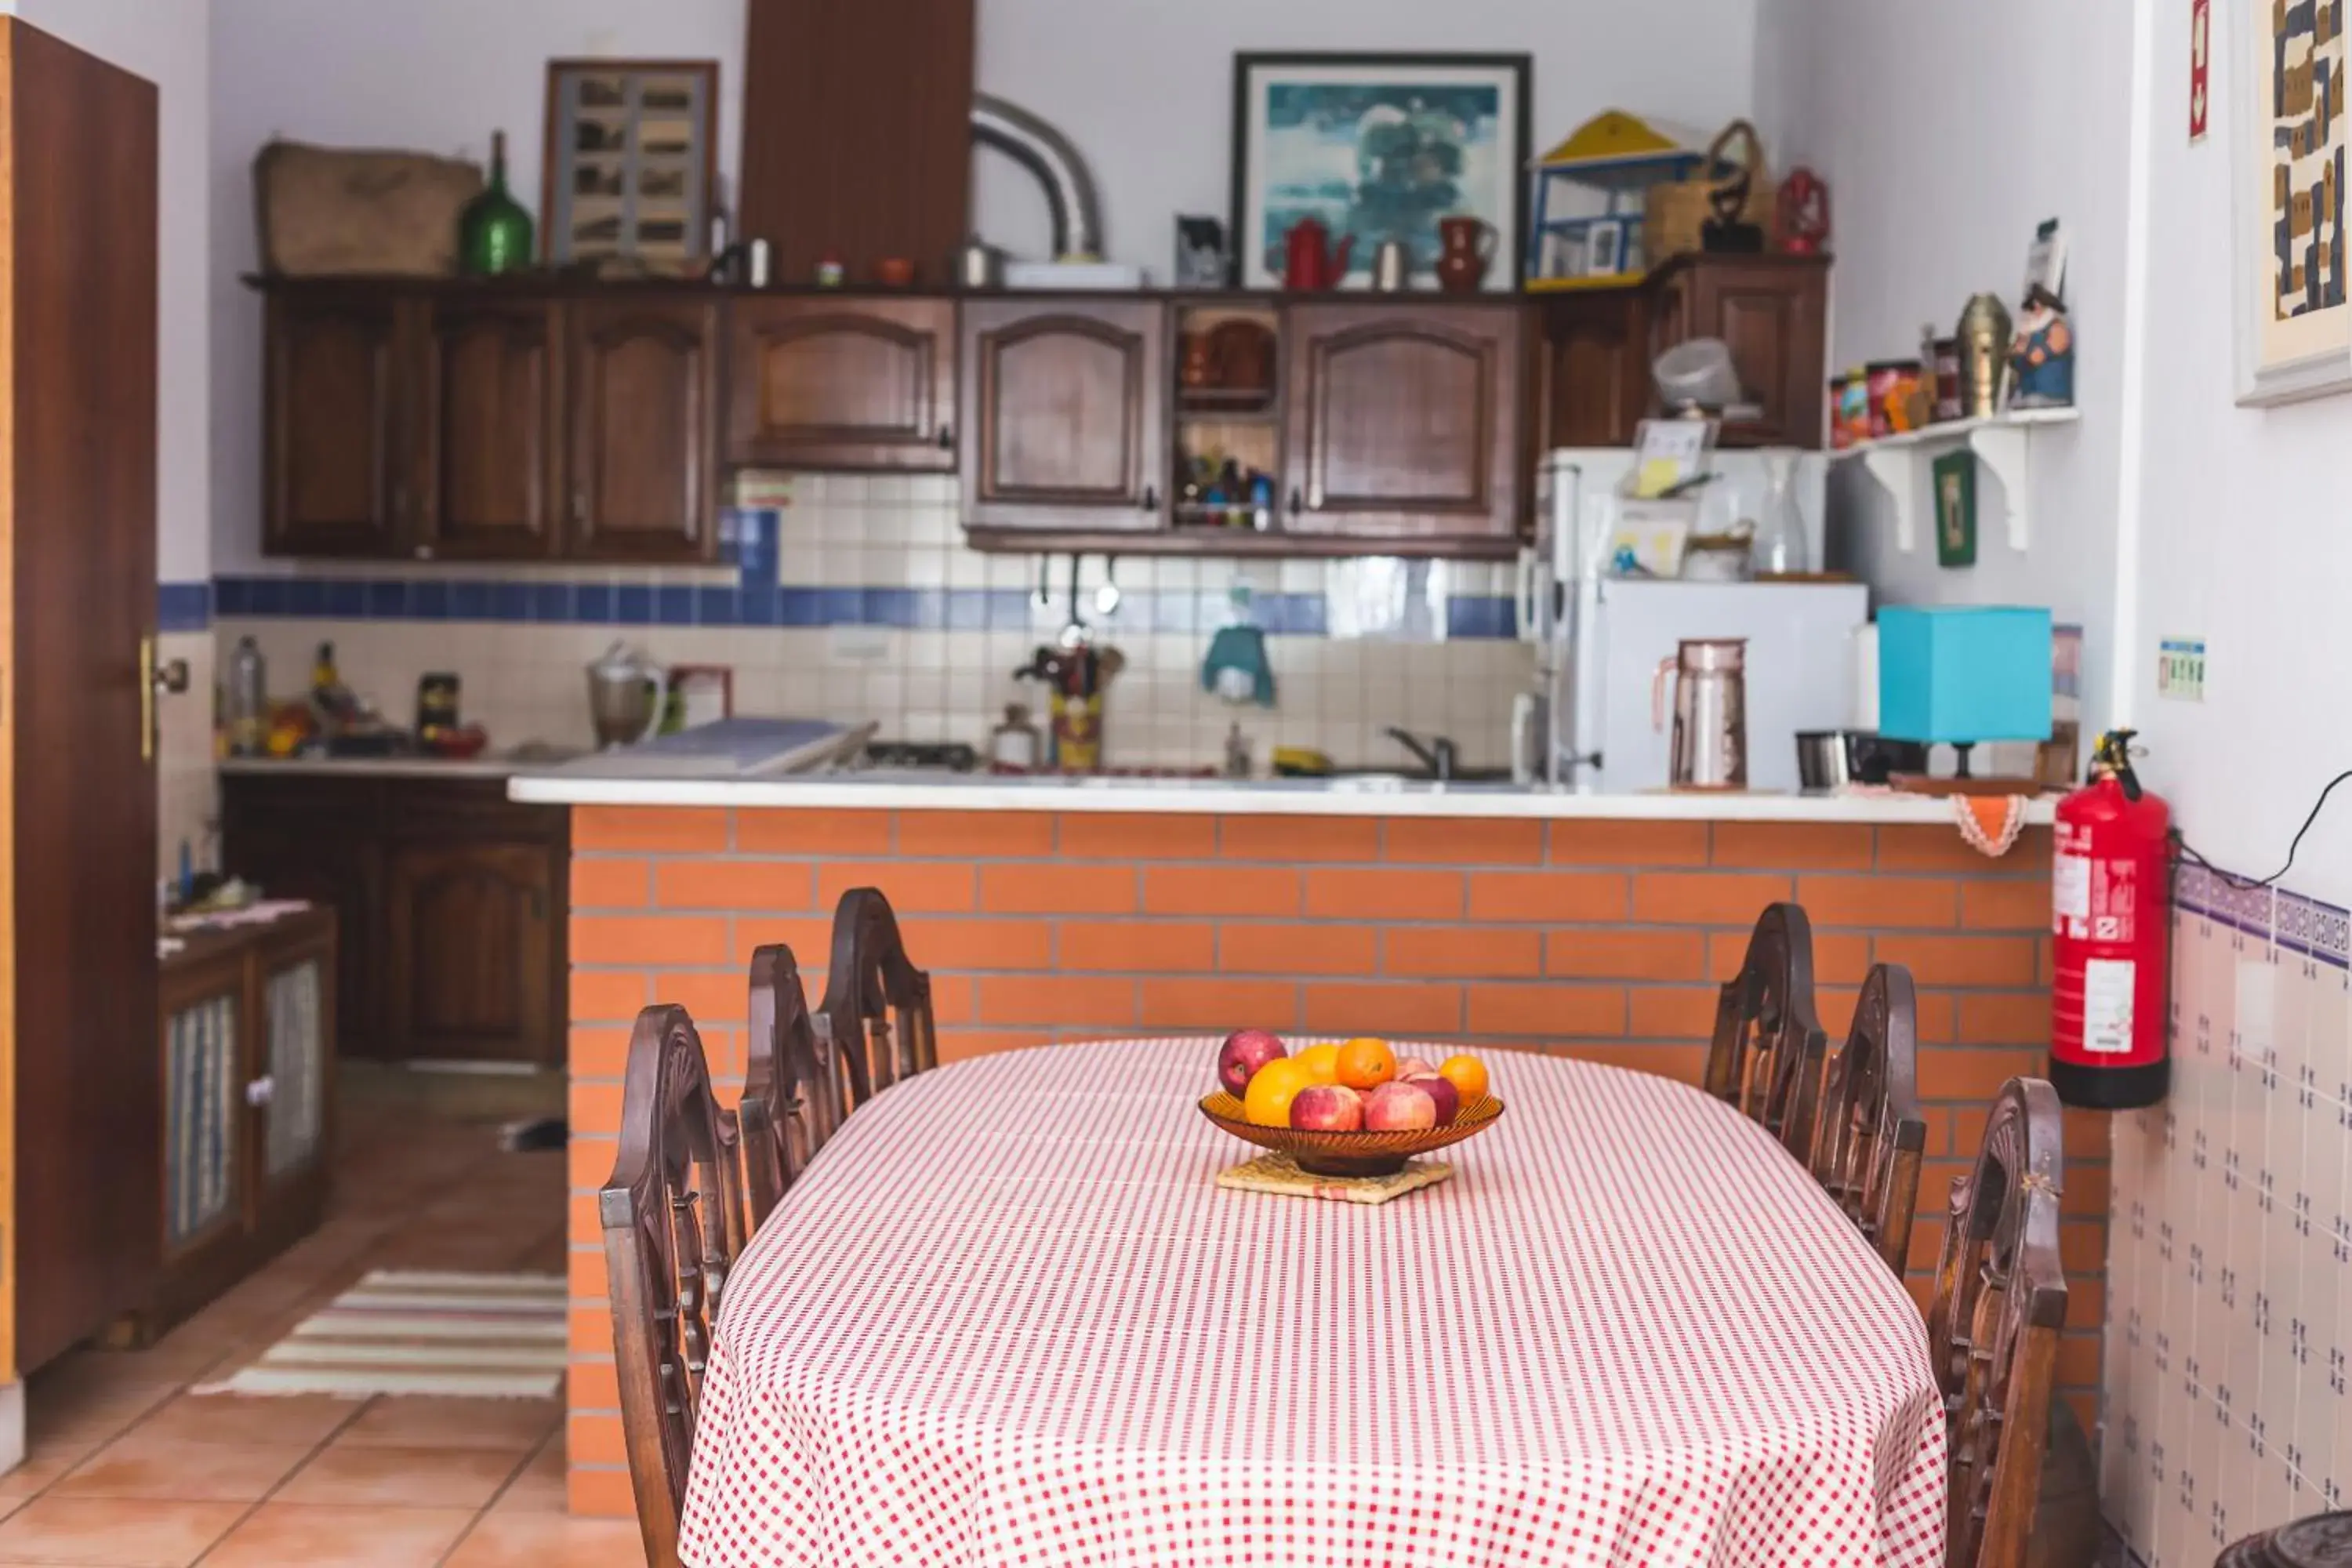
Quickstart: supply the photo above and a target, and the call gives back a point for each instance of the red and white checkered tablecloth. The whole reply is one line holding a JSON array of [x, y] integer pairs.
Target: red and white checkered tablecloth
[[1007, 1319]]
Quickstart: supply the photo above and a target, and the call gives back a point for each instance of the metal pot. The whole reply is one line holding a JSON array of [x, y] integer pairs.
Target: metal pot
[[1831, 759]]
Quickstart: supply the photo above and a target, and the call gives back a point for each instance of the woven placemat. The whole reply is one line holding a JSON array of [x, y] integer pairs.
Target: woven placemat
[[1280, 1173]]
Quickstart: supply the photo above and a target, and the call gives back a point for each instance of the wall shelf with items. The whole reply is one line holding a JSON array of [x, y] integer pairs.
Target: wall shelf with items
[[2004, 443]]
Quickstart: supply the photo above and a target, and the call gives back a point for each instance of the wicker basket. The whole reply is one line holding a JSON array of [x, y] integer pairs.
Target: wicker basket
[[1674, 213]]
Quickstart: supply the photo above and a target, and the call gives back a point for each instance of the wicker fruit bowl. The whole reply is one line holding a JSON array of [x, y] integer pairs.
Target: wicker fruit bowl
[[1325, 1153]]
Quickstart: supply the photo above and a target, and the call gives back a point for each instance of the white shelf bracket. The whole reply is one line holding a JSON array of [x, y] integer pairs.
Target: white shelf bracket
[[2006, 450], [1895, 471]]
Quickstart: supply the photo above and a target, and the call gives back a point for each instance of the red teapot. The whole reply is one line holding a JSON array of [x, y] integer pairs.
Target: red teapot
[[1311, 262]]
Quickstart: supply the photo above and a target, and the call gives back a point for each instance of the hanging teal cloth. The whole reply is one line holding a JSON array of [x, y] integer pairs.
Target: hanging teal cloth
[[1236, 668]]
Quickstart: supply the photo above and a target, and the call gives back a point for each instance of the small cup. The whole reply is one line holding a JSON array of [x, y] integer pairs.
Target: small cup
[[894, 273]]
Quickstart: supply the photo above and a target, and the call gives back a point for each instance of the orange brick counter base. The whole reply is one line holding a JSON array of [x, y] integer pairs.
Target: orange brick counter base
[[1595, 939]]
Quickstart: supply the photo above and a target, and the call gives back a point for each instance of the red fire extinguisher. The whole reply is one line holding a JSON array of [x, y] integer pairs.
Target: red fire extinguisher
[[2111, 896]]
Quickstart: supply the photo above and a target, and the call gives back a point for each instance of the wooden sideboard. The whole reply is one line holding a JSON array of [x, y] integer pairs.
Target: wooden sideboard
[[248, 1064], [547, 419]]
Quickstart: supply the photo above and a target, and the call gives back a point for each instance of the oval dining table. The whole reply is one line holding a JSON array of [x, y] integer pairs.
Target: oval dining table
[[1006, 1317]]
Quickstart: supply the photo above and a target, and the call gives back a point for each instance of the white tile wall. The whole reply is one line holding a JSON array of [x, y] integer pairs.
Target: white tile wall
[[524, 681], [2226, 1406], [187, 797]]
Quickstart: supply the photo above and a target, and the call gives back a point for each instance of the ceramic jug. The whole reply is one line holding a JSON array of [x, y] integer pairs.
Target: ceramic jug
[[1467, 244]]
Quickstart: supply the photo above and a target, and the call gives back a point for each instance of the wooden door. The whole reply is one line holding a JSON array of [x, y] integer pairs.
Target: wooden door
[[334, 481], [1066, 401], [293, 1049], [643, 377], [470, 927], [1402, 422], [847, 383], [1770, 311], [77, 190], [1596, 368], [489, 423]]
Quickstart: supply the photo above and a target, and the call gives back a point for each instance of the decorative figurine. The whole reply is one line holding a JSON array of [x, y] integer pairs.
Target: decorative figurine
[[2041, 360], [1804, 213]]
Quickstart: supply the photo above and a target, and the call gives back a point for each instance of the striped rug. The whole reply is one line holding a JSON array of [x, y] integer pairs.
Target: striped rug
[[487, 1336]]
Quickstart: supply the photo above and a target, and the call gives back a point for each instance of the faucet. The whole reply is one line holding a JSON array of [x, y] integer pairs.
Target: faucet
[[1436, 753]]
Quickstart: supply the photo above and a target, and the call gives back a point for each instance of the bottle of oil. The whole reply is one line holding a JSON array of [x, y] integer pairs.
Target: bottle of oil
[[248, 700]]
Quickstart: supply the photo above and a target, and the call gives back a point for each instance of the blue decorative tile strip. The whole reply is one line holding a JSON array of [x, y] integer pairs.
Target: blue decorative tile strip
[[183, 606], [1471, 617]]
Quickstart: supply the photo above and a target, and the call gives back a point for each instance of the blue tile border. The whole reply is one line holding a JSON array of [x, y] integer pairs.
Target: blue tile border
[[192, 605]]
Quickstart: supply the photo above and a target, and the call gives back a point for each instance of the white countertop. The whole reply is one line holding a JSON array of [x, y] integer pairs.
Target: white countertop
[[1255, 797]]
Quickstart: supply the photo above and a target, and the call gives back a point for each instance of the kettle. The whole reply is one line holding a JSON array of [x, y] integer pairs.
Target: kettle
[[1709, 749], [625, 692], [1310, 259]]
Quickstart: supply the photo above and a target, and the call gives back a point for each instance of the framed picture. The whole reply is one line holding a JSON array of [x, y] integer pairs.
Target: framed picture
[[2288, 167], [1955, 478], [632, 163], [1379, 147]]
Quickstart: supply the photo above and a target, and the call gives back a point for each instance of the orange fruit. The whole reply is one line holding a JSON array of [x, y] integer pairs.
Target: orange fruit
[[1366, 1063], [1467, 1074], [1271, 1091], [1322, 1062]]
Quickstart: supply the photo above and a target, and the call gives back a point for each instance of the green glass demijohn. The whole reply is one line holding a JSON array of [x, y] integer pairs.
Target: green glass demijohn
[[494, 233]]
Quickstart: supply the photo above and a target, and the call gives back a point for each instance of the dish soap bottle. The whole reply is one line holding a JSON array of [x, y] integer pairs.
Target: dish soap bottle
[[1779, 550], [494, 233]]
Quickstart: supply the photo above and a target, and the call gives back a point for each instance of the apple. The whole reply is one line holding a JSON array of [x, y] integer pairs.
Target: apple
[[1400, 1107], [1413, 1068], [1448, 1098], [1327, 1108], [1243, 1052]]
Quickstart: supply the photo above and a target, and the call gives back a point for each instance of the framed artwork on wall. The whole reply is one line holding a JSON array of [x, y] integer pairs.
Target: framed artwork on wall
[[1378, 146], [1955, 477], [632, 164], [2288, 154]]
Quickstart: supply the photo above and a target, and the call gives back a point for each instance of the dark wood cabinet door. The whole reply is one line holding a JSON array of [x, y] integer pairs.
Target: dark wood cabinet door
[[1402, 422], [1771, 312], [1069, 420], [333, 479], [320, 840], [471, 928], [1597, 374], [489, 429], [842, 384], [643, 377]]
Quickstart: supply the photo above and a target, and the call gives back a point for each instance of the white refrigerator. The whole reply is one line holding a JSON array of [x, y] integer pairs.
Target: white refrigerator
[[1600, 639]]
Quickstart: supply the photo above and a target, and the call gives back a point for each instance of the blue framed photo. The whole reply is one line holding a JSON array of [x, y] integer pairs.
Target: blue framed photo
[[1379, 146]]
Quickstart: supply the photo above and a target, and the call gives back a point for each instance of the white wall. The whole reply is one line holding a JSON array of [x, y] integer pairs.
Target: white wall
[[1144, 90], [166, 44], [2243, 535], [1946, 133]]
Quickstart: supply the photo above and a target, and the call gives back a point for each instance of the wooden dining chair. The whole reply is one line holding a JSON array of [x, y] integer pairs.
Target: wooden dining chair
[[673, 1219], [796, 1085], [1871, 1137], [1765, 1054], [1993, 1326], [876, 1008]]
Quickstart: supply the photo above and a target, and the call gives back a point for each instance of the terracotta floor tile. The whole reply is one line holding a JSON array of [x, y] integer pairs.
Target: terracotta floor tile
[[345, 1475], [507, 1425], [281, 1535], [306, 1418], [180, 1469], [550, 1541], [113, 1531], [540, 1487]]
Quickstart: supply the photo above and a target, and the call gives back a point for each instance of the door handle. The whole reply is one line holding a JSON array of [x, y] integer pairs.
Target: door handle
[[171, 676], [261, 1091], [1151, 497]]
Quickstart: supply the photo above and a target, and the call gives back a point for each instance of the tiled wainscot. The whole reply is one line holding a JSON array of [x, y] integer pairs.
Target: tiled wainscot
[[2229, 1274]]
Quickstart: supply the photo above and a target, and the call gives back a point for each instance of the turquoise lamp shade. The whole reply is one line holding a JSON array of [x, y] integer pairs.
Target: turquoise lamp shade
[[1961, 674]]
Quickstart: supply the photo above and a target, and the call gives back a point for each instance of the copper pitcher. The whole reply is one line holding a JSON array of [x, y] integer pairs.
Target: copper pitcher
[[1709, 750]]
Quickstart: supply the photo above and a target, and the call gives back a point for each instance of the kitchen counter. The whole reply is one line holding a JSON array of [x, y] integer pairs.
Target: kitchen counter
[[494, 765], [905, 791]]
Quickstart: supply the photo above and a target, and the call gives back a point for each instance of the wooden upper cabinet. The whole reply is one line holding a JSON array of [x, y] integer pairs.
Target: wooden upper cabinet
[[1066, 401], [1402, 421], [1771, 312], [334, 480], [490, 427], [1596, 374], [844, 383], [644, 385]]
